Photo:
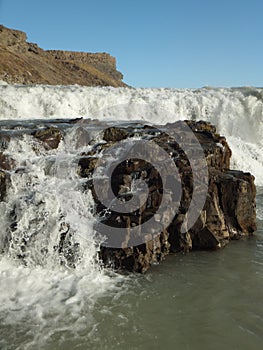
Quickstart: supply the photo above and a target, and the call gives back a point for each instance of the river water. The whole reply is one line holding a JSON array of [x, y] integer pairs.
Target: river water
[[203, 300]]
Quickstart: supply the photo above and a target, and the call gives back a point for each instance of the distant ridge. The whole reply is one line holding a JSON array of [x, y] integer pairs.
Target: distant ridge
[[26, 63]]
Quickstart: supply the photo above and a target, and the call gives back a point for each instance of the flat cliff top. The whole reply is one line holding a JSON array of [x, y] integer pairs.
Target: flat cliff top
[[26, 63]]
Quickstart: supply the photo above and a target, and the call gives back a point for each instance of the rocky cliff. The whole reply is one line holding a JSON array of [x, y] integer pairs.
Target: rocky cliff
[[227, 213], [26, 63]]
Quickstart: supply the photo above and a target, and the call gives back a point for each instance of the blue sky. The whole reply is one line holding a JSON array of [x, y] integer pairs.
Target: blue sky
[[168, 43]]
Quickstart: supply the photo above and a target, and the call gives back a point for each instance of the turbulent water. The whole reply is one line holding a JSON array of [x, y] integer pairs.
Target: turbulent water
[[199, 301], [236, 112]]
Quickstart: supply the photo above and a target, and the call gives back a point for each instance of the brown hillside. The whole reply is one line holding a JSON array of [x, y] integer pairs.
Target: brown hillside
[[26, 63]]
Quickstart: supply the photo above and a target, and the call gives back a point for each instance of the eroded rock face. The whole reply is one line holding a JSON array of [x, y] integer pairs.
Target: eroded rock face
[[228, 211], [104, 62], [26, 63]]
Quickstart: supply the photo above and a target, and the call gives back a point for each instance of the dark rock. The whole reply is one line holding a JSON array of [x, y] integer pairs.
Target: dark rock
[[87, 165], [4, 178], [237, 194], [6, 163], [228, 211], [4, 141], [67, 249], [50, 137], [114, 134]]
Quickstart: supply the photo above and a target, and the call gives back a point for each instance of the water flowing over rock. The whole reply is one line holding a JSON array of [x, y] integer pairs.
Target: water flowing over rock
[[228, 211]]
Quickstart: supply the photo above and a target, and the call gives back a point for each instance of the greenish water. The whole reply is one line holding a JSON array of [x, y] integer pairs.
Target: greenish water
[[204, 300], [200, 301]]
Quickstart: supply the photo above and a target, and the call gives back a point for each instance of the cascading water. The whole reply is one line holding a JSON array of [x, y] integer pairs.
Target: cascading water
[[48, 268], [236, 112], [53, 292]]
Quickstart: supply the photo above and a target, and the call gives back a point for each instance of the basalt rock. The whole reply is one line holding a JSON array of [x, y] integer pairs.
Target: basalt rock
[[228, 211], [50, 137], [4, 178], [6, 163]]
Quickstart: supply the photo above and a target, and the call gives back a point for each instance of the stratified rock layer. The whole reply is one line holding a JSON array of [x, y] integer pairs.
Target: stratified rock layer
[[26, 63], [228, 212]]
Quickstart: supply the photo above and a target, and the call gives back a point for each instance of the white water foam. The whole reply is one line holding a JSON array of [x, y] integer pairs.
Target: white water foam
[[41, 295], [237, 113]]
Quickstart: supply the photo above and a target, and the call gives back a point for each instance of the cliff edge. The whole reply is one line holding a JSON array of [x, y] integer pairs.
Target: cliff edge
[[26, 63]]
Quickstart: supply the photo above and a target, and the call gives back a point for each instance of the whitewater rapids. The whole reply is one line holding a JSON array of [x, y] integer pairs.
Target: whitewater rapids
[[236, 112], [46, 305]]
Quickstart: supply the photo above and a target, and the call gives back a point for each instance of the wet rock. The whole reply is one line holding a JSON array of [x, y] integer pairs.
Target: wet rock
[[4, 179], [67, 249], [50, 137], [4, 141], [228, 213], [138, 258], [147, 185], [237, 195], [114, 134], [6, 163], [87, 165]]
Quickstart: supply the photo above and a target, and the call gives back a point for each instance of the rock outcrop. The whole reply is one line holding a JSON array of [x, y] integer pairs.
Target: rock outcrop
[[26, 63], [103, 62], [228, 211]]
